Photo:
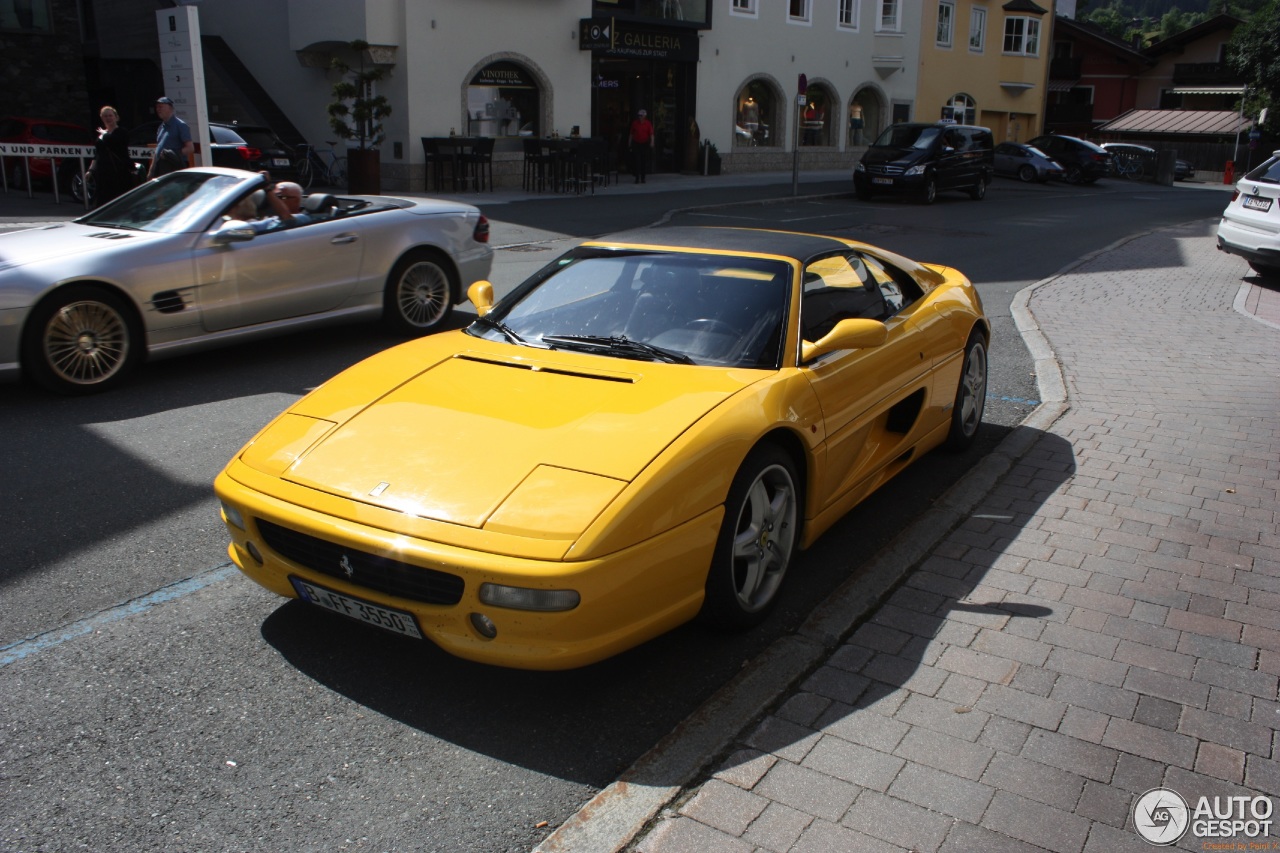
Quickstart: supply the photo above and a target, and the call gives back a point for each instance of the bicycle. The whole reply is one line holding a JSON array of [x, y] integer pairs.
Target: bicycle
[[326, 166], [1127, 166]]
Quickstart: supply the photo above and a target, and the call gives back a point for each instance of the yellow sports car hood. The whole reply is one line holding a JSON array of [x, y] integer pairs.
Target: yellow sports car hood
[[457, 441]]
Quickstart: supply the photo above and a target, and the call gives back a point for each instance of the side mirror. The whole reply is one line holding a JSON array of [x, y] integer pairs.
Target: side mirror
[[481, 296], [847, 334], [233, 231]]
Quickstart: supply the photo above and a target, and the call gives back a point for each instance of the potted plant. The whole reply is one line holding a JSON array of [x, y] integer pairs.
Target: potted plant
[[356, 114]]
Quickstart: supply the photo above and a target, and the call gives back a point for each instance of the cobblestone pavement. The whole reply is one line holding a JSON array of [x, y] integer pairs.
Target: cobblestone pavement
[[1105, 623]]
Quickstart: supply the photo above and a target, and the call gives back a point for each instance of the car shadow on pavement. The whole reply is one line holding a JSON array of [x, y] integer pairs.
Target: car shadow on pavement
[[938, 651], [590, 725]]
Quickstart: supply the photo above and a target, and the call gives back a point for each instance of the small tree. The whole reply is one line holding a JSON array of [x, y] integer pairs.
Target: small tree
[[1252, 55], [356, 112]]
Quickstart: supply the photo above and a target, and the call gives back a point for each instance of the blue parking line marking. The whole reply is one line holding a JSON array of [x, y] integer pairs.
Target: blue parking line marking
[[25, 648]]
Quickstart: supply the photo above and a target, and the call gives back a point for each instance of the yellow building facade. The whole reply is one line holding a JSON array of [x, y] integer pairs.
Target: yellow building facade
[[986, 63]]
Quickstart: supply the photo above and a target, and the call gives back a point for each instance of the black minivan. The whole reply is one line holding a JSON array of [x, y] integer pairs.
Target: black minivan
[[924, 159]]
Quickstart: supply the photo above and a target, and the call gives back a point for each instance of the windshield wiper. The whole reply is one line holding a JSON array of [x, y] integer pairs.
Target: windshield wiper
[[618, 345], [508, 332]]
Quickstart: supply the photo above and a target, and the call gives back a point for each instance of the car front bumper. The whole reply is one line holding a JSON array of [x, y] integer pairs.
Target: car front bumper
[[626, 598]]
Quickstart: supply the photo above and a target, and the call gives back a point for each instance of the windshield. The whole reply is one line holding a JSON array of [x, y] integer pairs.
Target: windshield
[[673, 307], [908, 136], [171, 205]]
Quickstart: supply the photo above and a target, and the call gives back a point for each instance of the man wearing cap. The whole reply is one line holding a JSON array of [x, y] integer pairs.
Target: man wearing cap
[[641, 143], [173, 141]]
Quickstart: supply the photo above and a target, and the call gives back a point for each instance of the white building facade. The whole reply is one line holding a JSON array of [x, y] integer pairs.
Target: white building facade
[[725, 71]]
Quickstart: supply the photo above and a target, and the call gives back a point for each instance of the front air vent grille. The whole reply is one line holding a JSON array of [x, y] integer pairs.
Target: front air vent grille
[[382, 574]]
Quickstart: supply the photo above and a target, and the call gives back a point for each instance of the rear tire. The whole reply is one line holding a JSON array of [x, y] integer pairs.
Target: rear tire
[[338, 172], [1075, 175], [978, 191], [1265, 271], [1027, 173], [971, 396], [81, 340], [419, 294], [757, 540]]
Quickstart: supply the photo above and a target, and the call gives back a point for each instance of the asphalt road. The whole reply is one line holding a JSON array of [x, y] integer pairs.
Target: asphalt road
[[154, 700]]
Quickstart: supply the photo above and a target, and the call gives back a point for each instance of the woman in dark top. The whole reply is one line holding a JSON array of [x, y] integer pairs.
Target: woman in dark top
[[111, 169]]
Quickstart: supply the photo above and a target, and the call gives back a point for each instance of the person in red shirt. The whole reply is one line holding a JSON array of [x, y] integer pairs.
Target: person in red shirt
[[641, 143]]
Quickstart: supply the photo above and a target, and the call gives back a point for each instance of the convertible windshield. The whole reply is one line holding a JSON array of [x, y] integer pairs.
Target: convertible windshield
[[907, 136], [176, 203], [671, 307]]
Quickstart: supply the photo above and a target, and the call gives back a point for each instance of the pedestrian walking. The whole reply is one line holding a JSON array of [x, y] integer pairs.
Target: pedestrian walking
[[173, 141], [640, 144], [112, 171]]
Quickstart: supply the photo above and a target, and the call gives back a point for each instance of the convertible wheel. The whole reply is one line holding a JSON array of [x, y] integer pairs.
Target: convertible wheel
[[419, 293], [971, 396], [1027, 173], [757, 539], [80, 341]]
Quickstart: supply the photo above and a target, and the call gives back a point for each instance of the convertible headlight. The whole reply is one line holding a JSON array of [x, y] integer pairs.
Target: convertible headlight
[[915, 170], [232, 515], [521, 598]]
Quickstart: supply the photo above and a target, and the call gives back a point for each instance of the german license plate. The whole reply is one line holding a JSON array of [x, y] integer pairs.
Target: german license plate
[[384, 617], [888, 181], [279, 161], [1254, 202]]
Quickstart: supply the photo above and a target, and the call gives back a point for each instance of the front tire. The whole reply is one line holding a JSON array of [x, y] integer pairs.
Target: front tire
[[306, 173], [929, 193], [82, 340], [971, 396], [420, 293], [757, 540], [979, 190]]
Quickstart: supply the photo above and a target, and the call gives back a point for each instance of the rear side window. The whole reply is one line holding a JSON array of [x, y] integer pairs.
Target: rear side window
[[1267, 173], [225, 136]]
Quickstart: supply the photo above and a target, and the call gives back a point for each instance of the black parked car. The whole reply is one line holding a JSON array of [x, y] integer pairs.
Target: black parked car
[[234, 146], [1083, 161]]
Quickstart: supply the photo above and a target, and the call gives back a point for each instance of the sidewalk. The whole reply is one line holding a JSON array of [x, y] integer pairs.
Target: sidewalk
[[1104, 619]]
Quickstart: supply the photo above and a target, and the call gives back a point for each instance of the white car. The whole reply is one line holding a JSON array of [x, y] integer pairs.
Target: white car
[[166, 268], [1250, 225]]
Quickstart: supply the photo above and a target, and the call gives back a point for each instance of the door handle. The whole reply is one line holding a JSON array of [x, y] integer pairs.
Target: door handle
[[345, 238]]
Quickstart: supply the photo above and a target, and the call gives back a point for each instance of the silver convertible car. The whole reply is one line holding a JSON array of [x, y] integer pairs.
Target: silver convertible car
[[180, 264]]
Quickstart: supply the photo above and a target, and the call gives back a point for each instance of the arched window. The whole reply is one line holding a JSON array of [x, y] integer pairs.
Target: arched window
[[818, 118], [503, 101], [961, 109], [757, 115]]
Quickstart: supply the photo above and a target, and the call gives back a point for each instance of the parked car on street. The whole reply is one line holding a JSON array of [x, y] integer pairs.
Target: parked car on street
[[646, 430], [41, 131], [1083, 161], [165, 269], [1145, 158], [924, 159], [231, 148], [1250, 226], [1025, 163]]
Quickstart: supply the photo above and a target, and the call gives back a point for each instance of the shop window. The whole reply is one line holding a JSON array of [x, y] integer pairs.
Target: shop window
[[961, 109], [759, 116], [505, 102], [817, 117], [28, 16]]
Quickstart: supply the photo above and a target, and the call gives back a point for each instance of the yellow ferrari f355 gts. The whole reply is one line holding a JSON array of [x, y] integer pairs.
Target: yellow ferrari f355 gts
[[645, 431]]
